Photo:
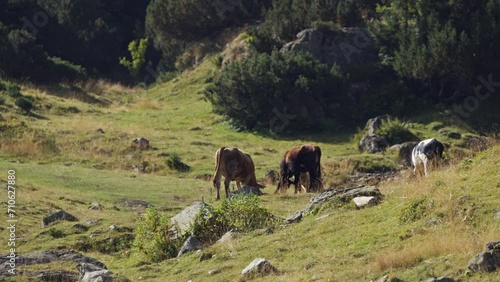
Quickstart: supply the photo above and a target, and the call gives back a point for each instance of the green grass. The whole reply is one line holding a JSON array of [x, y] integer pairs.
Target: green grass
[[61, 162]]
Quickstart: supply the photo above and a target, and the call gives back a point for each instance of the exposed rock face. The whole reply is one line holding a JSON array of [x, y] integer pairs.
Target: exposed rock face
[[47, 257], [347, 47], [343, 195], [372, 142], [60, 215], [257, 268], [191, 244], [183, 220], [487, 261]]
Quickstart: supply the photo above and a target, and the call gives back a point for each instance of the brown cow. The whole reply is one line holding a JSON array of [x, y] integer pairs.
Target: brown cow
[[299, 160], [236, 165]]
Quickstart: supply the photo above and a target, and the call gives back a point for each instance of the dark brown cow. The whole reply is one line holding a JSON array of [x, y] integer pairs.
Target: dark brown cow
[[236, 165], [299, 160]]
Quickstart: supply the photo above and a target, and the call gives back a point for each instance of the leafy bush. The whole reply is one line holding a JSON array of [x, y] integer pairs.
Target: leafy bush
[[175, 162], [396, 131], [13, 90], [55, 233], [152, 236], [241, 212], [25, 103], [108, 245]]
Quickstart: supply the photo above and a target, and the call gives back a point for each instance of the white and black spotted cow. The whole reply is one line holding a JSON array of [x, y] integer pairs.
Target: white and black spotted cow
[[425, 153]]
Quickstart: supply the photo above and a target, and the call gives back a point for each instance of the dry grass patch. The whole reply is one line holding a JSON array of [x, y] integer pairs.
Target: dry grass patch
[[452, 243]]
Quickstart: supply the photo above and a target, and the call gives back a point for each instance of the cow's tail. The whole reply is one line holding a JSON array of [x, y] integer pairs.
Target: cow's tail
[[218, 156]]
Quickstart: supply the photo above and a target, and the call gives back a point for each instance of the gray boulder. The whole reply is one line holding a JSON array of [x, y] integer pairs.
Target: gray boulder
[[58, 216], [346, 47], [228, 236], [364, 201], [140, 143], [247, 189], [373, 142], [487, 261], [95, 206], [258, 268], [191, 244], [182, 221]]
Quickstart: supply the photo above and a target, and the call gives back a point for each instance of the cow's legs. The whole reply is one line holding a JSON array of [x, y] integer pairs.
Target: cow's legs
[[426, 172], [227, 181], [296, 178], [217, 185]]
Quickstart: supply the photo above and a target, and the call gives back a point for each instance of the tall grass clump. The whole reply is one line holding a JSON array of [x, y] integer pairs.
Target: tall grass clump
[[396, 131]]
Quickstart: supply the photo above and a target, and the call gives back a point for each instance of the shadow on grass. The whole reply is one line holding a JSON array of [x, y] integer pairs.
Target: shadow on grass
[[73, 92]]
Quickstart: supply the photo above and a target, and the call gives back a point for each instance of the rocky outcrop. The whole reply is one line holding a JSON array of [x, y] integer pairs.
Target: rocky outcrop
[[191, 244], [58, 216], [346, 47], [140, 143], [344, 196], [404, 152], [182, 221], [487, 261], [258, 268], [372, 142], [47, 257]]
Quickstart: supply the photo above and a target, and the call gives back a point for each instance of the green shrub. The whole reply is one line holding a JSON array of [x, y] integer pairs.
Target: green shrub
[[175, 162], [2, 100], [13, 90], [25, 103], [396, 131], [56, 233], [108, 245], [152, 237], [242, 212]]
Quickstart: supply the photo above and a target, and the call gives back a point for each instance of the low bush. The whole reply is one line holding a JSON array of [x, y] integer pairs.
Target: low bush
[[152, 236], [24, 103], [13, 90], [414, 210], [175, 162], [241, 212]]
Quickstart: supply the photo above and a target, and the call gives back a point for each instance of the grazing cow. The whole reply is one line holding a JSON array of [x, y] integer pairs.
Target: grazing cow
[[302, 159], [236, 165], [426, 151]]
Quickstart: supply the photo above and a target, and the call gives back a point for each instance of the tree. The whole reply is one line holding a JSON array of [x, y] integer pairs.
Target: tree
[[137, 50]]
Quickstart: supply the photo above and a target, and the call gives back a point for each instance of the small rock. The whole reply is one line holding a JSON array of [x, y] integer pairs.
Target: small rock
[[115, 208], [100, 130], [113, 228], [228, 236], [58, 216], [92, 221], [384, 278], [95, 206], [213, 271], [485, 261], [364, 201], [102, 275], [440, 279], [196, 128], [140, 143], [247, 189], [323, 217], [191, 244], [206, 256], [454, 135], [497, 216], [493, 246], [80, 227], [258, 267]]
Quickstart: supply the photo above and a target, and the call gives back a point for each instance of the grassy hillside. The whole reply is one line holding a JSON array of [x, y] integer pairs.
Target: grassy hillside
[[62, 162]]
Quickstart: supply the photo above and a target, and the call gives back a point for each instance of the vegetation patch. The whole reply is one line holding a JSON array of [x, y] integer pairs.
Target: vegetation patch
[[414, 210], [174, 162]]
